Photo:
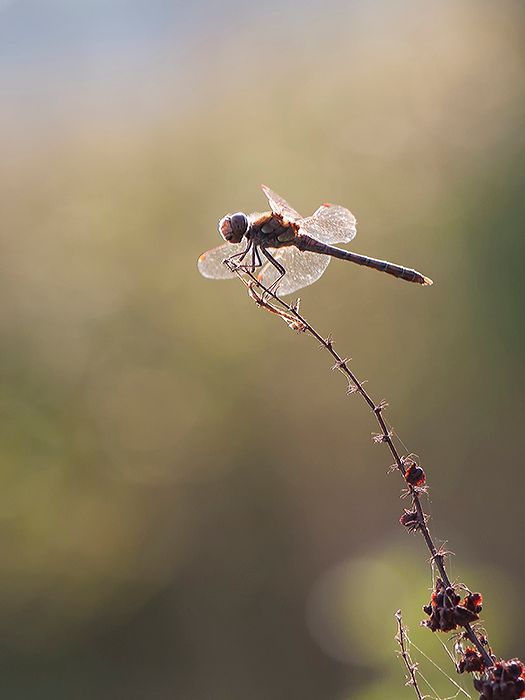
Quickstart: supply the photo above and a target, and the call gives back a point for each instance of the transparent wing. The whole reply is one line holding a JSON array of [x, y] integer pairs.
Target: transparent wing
[[279, 205], [302, 268], [211, 263], [331, 223]]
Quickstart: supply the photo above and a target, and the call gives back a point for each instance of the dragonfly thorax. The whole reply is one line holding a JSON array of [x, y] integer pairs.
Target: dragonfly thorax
[[233, 227], [271, 230]]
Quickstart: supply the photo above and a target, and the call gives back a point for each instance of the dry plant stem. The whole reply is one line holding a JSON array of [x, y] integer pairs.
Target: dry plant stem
[[288, 312], [411, 666]]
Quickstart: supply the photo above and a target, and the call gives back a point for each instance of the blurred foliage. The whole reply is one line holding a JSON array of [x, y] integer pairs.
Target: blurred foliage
[[191, 506]]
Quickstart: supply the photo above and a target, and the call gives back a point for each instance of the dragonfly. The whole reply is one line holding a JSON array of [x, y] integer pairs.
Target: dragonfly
[[289, 251]]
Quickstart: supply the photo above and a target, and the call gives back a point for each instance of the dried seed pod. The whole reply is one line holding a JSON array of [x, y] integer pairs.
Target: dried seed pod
[[503, 681], [471, 661], [410, 520], [447, 611], [473, 602], [415, 475]]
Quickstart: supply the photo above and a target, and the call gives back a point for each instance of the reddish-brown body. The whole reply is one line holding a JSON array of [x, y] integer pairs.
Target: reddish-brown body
[[272, 230], [305, 243]]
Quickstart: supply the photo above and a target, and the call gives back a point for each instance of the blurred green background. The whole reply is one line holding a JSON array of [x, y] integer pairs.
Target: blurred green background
[[190, 506]]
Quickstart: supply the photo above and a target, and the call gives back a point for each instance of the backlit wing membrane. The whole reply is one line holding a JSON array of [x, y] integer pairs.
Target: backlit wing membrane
[[331, 223], [302, 268], [279, 205], [211, 263]]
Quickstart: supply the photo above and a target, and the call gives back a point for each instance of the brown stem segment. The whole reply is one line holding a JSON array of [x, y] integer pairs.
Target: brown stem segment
[[386, 436], [410, 666]]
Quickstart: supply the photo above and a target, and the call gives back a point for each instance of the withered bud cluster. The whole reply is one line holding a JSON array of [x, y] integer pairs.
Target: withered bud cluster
[[471, 661], [503, 681], [447, 611], [414, 474], [410, 520]]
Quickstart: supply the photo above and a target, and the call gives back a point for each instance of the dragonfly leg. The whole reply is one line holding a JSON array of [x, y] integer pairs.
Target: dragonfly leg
[[252, 266], [280, 269], [234, 261], [259, 261], [255, 261]]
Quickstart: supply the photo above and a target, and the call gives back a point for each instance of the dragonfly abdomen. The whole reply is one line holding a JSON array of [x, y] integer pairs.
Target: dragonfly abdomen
[[405, 273]]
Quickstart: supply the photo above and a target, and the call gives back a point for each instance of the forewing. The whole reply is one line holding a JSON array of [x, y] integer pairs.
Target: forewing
[[211, 263], [302, 268], [279, 205], [331, 223]]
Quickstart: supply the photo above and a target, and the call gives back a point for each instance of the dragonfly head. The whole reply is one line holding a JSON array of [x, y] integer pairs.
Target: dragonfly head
[[232, 227]]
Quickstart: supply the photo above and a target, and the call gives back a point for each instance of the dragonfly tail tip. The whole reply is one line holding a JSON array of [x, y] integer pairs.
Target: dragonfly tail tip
[[427, 281]]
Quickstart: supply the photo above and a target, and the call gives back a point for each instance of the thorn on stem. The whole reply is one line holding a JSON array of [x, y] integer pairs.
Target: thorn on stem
[[442, 553], [341, 363], [382, 437], [295, 306]]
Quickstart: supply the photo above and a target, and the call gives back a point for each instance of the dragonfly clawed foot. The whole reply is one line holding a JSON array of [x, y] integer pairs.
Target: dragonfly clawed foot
[[231, 265]]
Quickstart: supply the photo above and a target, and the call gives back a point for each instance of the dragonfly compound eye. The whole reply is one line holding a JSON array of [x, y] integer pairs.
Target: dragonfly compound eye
[[239, 224], [233, 227]]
